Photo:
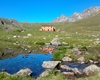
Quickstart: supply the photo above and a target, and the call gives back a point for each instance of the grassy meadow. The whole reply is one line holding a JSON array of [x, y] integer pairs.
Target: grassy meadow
[[51, 76], [82, 34]]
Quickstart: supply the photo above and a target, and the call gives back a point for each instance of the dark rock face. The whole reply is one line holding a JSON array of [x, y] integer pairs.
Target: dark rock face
[[1, 22], [77, 16]]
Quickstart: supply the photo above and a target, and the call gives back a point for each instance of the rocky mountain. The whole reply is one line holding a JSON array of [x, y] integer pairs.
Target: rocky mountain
[[8, 24], [77, 16], [62, 18]]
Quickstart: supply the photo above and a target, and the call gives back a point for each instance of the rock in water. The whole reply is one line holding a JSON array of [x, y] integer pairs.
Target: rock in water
[[24, 72], [51, 64], [91, 69], [81, 60], [74, 70]]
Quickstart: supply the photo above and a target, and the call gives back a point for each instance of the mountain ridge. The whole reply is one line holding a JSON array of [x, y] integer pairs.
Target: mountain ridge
[[77, 16]]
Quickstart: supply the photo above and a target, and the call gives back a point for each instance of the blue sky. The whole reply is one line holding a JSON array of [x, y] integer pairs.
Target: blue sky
[[42, 10]]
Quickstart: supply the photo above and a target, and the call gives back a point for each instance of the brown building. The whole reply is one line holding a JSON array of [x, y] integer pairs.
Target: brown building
[[47, 28]]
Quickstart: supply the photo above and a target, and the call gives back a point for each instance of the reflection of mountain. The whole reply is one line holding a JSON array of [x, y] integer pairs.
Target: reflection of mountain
[[77, 16]]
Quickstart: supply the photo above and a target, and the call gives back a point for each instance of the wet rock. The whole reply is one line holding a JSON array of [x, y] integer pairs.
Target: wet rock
[[91, 69], [67, 59], [77, 72], [65, 67], [24, 72], [68, 74], [74, 70], [81, 60], [51, 64]]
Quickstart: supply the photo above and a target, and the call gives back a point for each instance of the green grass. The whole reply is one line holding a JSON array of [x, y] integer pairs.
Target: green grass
[[51, 76], [80, 33], [4, 76], [83, 32], [90, 78]]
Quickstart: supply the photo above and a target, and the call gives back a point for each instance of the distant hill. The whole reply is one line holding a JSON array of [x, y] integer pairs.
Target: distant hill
[[77, 16], [90, 24], [8, 24]]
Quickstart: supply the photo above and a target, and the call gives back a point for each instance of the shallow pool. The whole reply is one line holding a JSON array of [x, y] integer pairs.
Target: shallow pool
[[31, 61]]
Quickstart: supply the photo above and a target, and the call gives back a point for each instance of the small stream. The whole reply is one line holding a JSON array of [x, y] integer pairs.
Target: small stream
[[31, 61], [77, 65]]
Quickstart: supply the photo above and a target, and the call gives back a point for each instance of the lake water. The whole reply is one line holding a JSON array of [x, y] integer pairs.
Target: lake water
[[31, 61]]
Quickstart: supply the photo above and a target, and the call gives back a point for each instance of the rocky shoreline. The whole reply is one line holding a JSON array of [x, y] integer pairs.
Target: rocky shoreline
[[89, 69], [69, 72]]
